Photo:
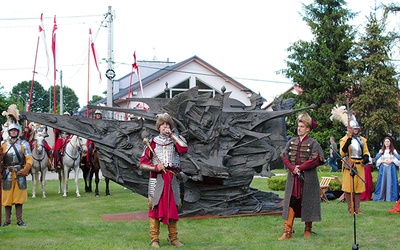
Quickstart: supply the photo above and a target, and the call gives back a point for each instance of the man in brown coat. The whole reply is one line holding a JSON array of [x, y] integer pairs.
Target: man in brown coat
[[301, 156]]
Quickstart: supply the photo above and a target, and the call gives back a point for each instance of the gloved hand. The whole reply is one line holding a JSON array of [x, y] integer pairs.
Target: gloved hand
[[365, 159], [345, 148], [25, 170]]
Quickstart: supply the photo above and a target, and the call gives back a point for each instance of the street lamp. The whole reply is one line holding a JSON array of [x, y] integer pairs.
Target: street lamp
[[48, 80], [25, 102]]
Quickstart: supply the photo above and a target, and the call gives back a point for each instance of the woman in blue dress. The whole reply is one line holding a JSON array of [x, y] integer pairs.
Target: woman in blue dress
[[387, 186]]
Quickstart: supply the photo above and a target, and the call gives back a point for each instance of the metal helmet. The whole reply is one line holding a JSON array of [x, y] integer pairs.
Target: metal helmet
[[354, 124], [97, 112], [67, 113], [13, 126]]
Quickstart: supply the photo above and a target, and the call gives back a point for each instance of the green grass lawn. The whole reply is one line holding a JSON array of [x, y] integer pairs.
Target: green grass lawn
[[75, 223]]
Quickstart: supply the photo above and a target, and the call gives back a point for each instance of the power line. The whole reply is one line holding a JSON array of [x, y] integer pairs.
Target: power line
[[169, 70]]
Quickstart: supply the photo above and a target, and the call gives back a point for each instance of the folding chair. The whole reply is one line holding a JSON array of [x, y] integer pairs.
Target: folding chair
[[323, 187]]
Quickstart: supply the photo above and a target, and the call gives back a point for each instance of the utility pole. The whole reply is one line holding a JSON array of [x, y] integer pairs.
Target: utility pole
[[61, 95], [110, 73]]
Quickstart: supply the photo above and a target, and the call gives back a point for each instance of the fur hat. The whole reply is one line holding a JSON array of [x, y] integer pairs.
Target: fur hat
[[305, 118], [164, 118]]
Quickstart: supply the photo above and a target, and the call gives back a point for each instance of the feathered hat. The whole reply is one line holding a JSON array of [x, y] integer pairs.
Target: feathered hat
[[305, 118], [344, 116], [12, 114]]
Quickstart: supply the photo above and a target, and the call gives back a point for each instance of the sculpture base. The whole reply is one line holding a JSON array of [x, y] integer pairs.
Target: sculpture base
[[140, 216]]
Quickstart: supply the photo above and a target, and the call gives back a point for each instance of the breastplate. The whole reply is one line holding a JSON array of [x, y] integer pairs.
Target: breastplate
[[356, 151], [165, 151], [11, 155]]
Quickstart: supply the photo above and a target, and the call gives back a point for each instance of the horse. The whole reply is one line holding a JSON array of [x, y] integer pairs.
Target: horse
[[90, 166], [71, 160], [40, 164]]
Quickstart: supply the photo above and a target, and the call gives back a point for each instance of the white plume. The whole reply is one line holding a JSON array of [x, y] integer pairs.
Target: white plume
[[340, 113]]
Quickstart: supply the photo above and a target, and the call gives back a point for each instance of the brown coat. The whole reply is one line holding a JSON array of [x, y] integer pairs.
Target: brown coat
[[311, 203]]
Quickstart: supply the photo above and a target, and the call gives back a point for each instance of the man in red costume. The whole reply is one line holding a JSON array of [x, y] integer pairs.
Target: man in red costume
[[62, 139], [161, 158]]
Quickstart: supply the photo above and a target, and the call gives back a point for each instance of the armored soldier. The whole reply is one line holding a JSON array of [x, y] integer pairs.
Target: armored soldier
[[302, 156], [17, 161], [98, 114], [355, 150], [161, 158]]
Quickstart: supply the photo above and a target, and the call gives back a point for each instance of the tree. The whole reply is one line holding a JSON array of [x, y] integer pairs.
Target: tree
[[70, 100], [4, 103], [375, 93], [96, 98], [20, 95], [320, 66]]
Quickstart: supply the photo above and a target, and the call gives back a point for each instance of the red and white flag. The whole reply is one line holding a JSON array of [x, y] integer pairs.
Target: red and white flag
[[94, 52], [42, 36], [135, 68]]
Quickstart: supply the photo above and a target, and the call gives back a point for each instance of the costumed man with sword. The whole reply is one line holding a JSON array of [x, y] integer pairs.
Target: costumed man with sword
[[161, 158], [302, 156]]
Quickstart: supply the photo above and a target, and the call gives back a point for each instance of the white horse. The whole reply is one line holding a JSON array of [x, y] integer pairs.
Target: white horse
[[71, 160], [40, 164]]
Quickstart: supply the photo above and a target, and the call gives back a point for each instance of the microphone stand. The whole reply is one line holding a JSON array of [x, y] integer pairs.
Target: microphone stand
[[353, 173]]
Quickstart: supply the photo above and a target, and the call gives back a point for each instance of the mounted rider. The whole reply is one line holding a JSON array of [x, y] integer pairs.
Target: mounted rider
[[90, 145], [62, 138], [30, 132]]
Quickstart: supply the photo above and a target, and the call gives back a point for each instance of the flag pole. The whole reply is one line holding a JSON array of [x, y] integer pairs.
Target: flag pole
[[87, 97], [53, 47], [129, 90], [33, 76]]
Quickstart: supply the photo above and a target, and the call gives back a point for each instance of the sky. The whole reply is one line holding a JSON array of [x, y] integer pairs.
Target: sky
[[246, 40]]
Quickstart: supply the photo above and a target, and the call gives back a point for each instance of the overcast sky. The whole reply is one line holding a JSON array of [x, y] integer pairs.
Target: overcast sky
[[244, 39]]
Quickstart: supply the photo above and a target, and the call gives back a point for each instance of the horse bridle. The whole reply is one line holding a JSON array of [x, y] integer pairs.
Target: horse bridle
[[39, 160], [79, 149]]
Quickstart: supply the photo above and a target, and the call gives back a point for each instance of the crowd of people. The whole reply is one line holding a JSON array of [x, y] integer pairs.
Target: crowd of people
[[301, 157], [16, 158]]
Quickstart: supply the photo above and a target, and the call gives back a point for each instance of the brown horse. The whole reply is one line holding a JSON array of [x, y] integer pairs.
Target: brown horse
[[90, 166]]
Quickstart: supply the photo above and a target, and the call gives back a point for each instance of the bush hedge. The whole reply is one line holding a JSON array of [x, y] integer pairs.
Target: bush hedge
[[277, 183]]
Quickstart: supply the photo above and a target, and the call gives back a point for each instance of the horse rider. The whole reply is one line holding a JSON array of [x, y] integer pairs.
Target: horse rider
[[89, 144], [30, 137], [17, 161], [62, 138], [132, 117]]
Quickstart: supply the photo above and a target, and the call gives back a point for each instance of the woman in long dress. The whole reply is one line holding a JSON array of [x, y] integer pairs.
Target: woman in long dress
[[387, 186]]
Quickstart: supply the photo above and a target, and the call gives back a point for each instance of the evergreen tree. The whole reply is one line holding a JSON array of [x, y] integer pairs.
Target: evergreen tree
[[375, 92], [319, 67], [4, 103]]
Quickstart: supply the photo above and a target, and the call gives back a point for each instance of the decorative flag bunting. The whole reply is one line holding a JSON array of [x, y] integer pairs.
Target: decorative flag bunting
[[94, 53], [42, 35]]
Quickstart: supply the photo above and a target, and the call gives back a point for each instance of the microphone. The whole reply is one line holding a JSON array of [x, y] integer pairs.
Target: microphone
[[168, 132]]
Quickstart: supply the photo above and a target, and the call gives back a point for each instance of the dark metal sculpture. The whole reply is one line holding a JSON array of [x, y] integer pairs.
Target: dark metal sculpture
[[228, 144]]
